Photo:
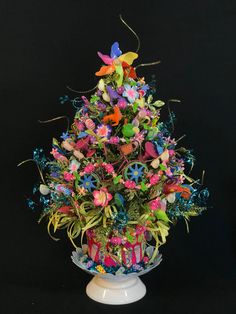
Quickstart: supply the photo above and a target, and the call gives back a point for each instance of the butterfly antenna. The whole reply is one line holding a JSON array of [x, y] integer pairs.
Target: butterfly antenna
[[138, 40]]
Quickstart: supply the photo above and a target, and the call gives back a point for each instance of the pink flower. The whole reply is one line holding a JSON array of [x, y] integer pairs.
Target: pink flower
[[122, 103], [142, 113], [154, 179], [155, 204], [116, 240], [109, 168], [92, 139], [139, 137], [80, 125], [90, 233], [130, 184], [109, 262], [89, 168], [168, 172], [68, 176], [140, 229], [101, 197], [114, 140], [141, 92], [163, 205], [74, 165], [145, 259]]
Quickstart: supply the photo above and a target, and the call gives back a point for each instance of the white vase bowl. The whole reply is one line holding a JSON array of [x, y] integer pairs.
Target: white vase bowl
[[118, 288]]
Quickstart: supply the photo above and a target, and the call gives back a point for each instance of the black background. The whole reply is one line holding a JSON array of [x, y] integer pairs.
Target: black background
[[46, 45]]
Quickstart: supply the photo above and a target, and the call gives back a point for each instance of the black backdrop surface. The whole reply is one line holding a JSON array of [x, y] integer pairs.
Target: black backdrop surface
[[46, 45]]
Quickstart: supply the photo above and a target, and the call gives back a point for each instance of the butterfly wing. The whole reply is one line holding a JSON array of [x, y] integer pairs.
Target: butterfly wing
[[105, 70], [105, 58], [128, 57], [115, 50]]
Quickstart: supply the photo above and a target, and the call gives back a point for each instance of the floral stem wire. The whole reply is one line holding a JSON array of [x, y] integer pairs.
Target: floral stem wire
[[39, 169], [81, 91], [138, 47], [138, 40], [57, 118]]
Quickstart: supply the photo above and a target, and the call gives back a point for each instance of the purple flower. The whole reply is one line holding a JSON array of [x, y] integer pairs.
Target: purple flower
[[101, 106], [122, 103], [89, 264], [120, 90], [54, 174], [103, 130]]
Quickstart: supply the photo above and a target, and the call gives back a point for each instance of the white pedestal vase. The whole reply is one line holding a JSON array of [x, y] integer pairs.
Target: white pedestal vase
[[121, 287], [116, 290]]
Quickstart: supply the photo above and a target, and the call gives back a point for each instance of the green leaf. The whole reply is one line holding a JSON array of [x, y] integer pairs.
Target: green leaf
[[77, 177], [55, 142], [119, 199], [117, 179], [158, 103], [188, 178], [143, 187], [162, 167], [150, 98], [160, 214], [94, 98], [129, 237], [135, 107], [132, 83], [146, 127], [151, 134]]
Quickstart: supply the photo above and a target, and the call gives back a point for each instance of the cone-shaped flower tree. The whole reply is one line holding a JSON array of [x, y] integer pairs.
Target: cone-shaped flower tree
[[117, 177]]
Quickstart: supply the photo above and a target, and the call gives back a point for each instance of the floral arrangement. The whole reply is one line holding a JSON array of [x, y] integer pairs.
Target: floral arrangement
[[117, 177]]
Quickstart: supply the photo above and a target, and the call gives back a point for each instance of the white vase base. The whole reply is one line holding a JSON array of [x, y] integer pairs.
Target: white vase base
[[117, 290]]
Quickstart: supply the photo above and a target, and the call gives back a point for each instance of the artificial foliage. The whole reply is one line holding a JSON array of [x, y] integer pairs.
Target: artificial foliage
[[117, 175]]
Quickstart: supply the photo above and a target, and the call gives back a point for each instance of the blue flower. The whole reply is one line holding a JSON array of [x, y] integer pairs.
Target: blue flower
[[66, 191], [145, 87], [87, 181], [65, 135], [82, 135], [135, 172]]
